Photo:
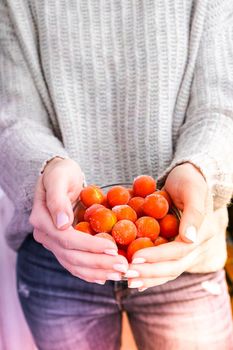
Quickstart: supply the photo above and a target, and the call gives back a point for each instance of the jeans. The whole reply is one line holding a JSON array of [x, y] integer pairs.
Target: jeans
[[65, 312]]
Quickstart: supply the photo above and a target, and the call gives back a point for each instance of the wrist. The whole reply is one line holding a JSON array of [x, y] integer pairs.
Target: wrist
[[50, 162], [190, 169], [196, 168]]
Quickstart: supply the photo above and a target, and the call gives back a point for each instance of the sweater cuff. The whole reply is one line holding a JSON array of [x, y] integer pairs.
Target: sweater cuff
[[219, 183]]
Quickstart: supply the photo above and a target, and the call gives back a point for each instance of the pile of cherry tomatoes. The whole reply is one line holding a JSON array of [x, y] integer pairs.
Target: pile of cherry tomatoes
[[134, 218]]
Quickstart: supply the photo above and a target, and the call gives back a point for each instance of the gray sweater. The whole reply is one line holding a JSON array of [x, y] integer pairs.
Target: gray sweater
[[123, 87]]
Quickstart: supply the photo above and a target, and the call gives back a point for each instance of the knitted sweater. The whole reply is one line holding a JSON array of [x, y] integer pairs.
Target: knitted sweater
[[122, 87]]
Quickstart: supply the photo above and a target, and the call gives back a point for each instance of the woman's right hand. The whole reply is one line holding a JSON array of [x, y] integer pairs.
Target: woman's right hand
[[90, 258]]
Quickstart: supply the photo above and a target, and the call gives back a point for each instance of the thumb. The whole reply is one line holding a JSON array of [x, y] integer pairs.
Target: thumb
[[59, 204], [194, 211], [62, 180]]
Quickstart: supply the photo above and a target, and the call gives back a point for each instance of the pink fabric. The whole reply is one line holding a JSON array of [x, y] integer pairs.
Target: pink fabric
[[14, 332]]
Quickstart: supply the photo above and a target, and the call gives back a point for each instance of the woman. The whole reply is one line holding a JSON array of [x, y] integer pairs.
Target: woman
[[110, 90]]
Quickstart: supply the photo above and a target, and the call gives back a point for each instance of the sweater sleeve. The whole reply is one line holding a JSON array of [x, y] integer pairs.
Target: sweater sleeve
[[26, 135], [206, 137]]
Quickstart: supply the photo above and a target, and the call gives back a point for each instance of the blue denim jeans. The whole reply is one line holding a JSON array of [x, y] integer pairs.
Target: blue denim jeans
[[65, 312]]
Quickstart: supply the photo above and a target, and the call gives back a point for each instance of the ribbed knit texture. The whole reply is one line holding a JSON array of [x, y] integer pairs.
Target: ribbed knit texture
[[124, 87]]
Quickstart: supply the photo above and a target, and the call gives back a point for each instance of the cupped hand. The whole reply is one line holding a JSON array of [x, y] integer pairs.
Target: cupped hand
[[90, 258], [157, 265]]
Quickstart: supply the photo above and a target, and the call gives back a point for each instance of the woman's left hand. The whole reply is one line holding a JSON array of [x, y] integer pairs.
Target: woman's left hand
[[157, 265]]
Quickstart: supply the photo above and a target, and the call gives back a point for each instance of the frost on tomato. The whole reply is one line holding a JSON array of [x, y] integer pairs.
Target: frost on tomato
[[125, 212], [147, 227], [103, 220], [90, 211], [124, 232]]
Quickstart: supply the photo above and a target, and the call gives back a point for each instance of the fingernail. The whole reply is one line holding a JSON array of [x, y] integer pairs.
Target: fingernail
[[132, 273], [191, 233], [111, 252], [99, 282], [138, 261], [142, 289], [62, 219], [114, 276], [135, 284], [120, 267]]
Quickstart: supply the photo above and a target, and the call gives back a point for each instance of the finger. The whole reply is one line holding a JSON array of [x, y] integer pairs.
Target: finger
[[90, 260], [158, 270], [194, 211], [58, 201], [40, 217], [166, 269], [91, 275], [63, 181], [143, 284], [40, 194], [188, 189], [164, 252], [75, 240], [38, 202], [94, 260]]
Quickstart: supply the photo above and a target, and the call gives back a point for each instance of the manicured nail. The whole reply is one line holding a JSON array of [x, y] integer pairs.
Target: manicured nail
[[99, 282], [191, 233], [62, 219], [114, 276], [132, 273], [111, 252], [120, 267], [138, 261], [135, 284]]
